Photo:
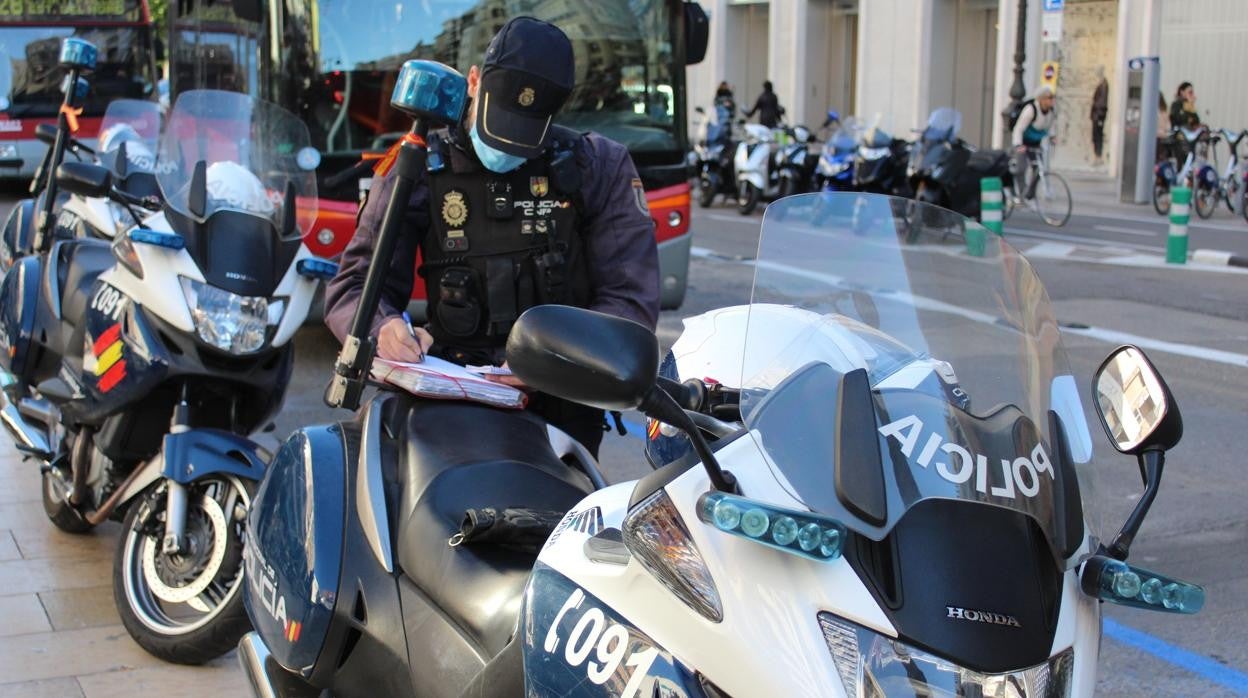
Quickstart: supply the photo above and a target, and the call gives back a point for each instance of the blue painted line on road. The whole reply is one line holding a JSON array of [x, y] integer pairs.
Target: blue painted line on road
[[1197, 664]]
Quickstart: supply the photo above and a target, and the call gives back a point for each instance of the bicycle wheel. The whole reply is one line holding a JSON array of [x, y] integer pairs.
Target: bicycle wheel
[[1161, 198], [1053, 199], [1231, 187]]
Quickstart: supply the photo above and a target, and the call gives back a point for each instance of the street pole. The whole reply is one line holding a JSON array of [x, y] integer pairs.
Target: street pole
[[1017, 89]]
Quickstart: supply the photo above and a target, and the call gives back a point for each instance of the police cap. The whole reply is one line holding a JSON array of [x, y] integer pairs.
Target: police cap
[[528, 73]]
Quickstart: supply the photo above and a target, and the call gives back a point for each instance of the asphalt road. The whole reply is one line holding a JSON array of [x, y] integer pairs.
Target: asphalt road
[[1197, 530]]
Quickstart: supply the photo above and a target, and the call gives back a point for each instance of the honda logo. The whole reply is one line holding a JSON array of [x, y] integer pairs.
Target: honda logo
[[982, 616]]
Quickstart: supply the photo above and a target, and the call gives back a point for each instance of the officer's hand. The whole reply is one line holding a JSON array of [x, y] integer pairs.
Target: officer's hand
[[512, 380], [396, 343]]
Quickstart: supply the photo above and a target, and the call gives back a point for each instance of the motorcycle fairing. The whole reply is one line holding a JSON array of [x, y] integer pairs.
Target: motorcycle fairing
[[577, 645], [19, 294], [18, 237], [191, 455]]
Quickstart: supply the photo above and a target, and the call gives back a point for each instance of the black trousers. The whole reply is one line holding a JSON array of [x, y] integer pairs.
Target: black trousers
[[1098, 135], [585, 424]]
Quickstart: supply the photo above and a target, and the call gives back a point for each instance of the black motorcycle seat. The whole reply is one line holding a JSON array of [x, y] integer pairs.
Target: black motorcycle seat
[[80, 263], [459, 456], [988, 161]]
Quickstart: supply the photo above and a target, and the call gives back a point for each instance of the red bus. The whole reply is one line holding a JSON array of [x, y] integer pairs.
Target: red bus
[[30, 79], [334, 62]]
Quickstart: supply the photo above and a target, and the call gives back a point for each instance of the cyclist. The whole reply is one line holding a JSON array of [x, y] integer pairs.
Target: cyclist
[[1035, 121]]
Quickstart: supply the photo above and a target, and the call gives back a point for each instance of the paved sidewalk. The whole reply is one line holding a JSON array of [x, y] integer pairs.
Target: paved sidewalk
[[59, 631]]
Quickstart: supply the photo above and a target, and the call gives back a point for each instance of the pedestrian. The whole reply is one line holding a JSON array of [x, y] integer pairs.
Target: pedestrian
[[767, 106], [1183, 112], [1100, 110], [724, 96], [520, 213]]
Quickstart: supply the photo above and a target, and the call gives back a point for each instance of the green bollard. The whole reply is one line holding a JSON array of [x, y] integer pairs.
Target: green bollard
[[991, 210], [1180, 214]]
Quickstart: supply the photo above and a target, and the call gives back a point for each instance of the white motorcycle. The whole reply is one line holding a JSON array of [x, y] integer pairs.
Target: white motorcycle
[[758, 176], [877, 481]]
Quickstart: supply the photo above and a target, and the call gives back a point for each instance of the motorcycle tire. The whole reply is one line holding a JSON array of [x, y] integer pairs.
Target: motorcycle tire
[[1205, 201], [1161, 199], [163, 636], [788, 187], [748, 198], [60, 512], [706, 192]]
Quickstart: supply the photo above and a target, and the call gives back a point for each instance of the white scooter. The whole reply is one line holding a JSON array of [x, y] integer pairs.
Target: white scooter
[[877, 481], [758, 177]]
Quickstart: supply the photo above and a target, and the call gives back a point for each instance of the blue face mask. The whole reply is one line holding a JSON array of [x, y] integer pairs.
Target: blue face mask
[[494, 160]]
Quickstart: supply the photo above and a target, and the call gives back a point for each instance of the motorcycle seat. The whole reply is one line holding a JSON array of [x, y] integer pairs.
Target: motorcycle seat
[[988, 162], [459, 456], [80, 262]]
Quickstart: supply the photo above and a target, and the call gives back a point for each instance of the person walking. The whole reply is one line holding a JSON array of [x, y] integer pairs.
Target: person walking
[[1183, 112], [1100, 110], [767, 106]]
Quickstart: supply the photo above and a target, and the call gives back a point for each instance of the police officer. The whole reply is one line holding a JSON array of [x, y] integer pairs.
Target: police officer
[[514, 211]]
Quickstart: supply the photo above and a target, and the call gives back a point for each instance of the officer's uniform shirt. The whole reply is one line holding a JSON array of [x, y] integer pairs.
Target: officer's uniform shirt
[[618, 233]]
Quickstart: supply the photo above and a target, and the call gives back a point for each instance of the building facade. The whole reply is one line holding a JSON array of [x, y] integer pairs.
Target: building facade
[[891, 62]]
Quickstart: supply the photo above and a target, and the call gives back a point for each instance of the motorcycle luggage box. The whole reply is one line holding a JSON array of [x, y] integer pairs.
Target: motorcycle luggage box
[[19, 297], [988, 163]]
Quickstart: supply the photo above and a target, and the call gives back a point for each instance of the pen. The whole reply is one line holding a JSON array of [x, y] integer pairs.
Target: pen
[[411, 331]]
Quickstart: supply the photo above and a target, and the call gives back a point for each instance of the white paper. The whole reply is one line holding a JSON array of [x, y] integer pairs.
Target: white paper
[[440, 379], [490, 370]]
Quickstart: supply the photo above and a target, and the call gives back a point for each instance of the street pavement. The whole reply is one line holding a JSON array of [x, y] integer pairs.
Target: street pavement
[[60, 635]]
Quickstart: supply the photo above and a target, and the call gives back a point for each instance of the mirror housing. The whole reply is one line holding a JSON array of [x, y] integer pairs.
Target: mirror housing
[[84, 179], [46, 133], [1134, 403], [584, 356], [697, 33]]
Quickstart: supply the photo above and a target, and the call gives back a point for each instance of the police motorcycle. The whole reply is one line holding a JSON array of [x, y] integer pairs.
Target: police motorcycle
[[133, 371], [129, 135], [880, 163], [877, 422], [714, 156], [33, 219], [835, 171], [945, 171]]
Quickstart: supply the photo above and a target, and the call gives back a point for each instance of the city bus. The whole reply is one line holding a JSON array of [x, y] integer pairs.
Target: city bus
[[334, 63], [30, 77]]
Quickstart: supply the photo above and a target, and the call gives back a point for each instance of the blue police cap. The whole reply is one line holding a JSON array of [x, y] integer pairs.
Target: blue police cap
[[527, 75]]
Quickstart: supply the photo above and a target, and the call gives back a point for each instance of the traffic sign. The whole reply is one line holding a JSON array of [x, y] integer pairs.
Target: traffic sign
[[1054, 5]]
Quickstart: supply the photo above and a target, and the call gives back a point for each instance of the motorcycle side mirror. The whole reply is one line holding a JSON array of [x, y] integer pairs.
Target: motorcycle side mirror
[[1134, 403], [697, 33], [1141, 418], [84, 179], [197, 197], [601, 361]]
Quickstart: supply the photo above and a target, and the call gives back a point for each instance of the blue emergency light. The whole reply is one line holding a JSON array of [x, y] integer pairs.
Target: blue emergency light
[[77, 53], [430, 90]]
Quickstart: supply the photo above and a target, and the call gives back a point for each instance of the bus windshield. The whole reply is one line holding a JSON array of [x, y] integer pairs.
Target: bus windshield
[[353, 49], [30, 42]]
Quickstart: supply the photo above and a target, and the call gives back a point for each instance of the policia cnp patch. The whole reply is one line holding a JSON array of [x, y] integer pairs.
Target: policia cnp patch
[[639, 195]]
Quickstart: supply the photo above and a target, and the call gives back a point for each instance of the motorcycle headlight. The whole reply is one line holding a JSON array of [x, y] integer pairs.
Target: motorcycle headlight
[[657, 536], [872, 153], [228, 321], [873, 665]]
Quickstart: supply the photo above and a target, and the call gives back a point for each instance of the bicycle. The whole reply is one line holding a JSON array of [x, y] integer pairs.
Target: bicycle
[[1232, 186], [1196, 173], [1045, 192]]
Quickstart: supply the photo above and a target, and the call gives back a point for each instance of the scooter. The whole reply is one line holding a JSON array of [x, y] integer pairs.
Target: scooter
[[835, 171], [946, 171], [31, 220], [758, 177], [715, 155], [795, 163], [851, 460], [880, 164], [134, 371]]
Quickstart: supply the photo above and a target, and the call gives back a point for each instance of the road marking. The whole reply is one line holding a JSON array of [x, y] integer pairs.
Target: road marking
[[1185, 659], [746, 220], [1190, 350], [1090, 242], [1126, 231]]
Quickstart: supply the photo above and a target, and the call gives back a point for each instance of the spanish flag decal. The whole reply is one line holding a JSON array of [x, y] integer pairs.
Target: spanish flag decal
[[652, 429], [110, 367], [292, 630]]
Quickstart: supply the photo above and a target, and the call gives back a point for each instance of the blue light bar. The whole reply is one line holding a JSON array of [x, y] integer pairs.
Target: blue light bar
[[1127, 585], [810, 535], [317, 268], [430, 90], [77, 53], [168, 241]]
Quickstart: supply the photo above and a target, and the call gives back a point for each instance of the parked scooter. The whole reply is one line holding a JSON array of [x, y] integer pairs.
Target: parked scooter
[[945, 171], [835, 171], [795, 164], [880, 164], [134, 371], [129, 135], [792, 551], [754, 163], [715, 154]]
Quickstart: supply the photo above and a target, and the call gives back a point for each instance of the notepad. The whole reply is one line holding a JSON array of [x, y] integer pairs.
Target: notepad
[[442, 380]]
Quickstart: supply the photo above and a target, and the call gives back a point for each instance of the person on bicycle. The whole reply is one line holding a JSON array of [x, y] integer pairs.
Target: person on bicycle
[[1034, 123]]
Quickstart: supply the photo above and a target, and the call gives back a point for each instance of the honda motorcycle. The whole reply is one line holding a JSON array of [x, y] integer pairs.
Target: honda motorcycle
[[945, 171], [134, 371], [876, 423], [880, 164]]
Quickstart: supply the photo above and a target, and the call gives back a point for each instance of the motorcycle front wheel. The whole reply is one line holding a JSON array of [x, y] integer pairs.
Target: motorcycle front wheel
[[748, 197], [707, 186], [185, 607]]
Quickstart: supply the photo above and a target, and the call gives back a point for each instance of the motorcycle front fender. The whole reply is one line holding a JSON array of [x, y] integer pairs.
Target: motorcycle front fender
[[755, 178], [197, 453]]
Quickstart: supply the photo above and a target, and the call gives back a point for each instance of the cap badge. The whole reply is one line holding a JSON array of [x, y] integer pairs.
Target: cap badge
[[454, 209], [538, 186], [527, 95]]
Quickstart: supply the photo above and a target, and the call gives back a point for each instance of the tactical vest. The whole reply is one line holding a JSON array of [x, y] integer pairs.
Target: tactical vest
[[499, 244]]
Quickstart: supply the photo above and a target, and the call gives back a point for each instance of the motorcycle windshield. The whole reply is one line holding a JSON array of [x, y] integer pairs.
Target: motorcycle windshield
[[136, 123], [882, 368], [943, 124], [252, 151]]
